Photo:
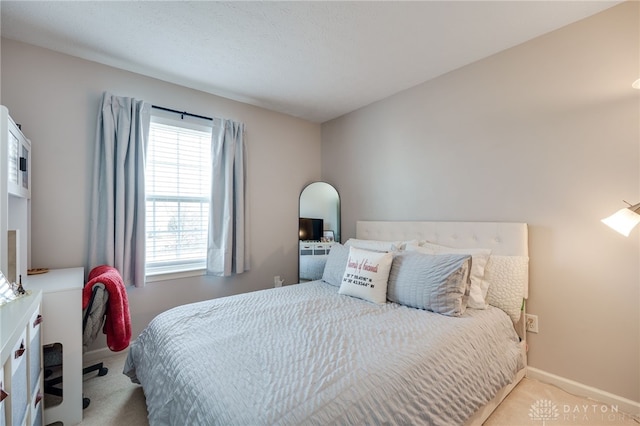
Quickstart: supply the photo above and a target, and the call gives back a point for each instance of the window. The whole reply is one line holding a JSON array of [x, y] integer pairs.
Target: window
[[178, 170]]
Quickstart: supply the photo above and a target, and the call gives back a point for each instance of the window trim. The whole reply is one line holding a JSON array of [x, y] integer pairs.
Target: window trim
[[174, 275], [183, 269]]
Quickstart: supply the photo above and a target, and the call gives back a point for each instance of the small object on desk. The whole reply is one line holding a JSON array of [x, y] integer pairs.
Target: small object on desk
[[20, 290], [11, 291], [37, 271], [328, 236]]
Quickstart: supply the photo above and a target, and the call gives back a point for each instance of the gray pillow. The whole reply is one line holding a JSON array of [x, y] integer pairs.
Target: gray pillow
[[434, 282], [336, 265]]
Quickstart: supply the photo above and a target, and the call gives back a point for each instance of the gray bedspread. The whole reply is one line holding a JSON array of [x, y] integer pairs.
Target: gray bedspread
[[312, 267], [303, 354]]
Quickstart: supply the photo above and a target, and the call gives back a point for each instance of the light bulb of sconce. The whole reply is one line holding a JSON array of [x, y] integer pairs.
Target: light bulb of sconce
[[623, 221]]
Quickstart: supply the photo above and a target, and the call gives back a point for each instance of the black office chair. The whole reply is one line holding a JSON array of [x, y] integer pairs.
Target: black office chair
[[92, 323]]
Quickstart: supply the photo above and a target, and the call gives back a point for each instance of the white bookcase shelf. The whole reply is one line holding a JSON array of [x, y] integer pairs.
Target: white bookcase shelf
[[20, 361], [15, 198], [20, 337]]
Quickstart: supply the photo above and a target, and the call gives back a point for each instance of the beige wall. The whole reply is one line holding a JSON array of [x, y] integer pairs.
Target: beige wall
[[546, 133], [55, 97]]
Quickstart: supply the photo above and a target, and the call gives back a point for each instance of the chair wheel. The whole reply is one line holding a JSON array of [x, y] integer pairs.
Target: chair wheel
[[103, 371], [85, 402]]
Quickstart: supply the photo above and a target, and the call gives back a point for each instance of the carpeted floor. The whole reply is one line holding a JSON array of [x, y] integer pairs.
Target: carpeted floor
[[116, 401]]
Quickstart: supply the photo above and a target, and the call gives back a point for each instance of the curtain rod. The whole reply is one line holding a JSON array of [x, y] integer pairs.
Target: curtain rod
[[182, 113]]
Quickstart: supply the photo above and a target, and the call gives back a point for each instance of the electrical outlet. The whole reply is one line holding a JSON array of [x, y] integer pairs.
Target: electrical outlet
[[277, 282], [531, 323]]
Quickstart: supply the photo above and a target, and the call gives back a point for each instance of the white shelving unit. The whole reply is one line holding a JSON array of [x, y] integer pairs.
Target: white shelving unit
[[15, 198], [20, 362], [20, 337], [314, 248]]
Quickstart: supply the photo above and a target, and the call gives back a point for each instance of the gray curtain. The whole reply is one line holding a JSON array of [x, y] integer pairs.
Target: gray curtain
[[227, 249], [117, 222]]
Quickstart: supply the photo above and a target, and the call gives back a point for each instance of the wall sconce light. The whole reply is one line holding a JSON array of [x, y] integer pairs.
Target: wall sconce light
[[624, 220]]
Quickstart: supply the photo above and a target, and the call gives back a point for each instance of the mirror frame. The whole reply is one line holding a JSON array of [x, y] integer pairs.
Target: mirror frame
[[337, 231]]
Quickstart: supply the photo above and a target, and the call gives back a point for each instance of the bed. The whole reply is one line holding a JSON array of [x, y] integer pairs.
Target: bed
[[312, 354], [312, 267]]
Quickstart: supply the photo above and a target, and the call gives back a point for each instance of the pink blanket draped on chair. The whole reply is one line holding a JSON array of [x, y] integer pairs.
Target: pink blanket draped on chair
[[117, 325]]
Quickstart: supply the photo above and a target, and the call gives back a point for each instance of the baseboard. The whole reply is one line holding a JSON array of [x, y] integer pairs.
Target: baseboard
[[96, 355], [624, 405]]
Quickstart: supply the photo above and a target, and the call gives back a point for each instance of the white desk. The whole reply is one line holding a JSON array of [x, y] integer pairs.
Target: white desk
[[62, 311]]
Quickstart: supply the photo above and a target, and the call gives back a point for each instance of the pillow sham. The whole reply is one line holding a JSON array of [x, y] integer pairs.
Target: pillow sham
[[374, 245], [507, 277], [434, 282], [366, 275], [479, 259], [336, 263]]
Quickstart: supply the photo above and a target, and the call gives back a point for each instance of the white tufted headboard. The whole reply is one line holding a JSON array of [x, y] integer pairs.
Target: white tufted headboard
[[503, 238]]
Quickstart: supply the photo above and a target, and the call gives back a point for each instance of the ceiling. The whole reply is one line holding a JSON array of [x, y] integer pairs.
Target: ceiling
[[313, 60]]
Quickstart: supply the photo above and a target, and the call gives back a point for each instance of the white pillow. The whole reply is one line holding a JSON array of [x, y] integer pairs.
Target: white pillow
[[479, 259], [374, 245], [366, 275], [508, 277]]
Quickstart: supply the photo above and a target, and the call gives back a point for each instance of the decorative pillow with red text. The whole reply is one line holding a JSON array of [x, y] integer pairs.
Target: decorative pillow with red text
[[366, 275]]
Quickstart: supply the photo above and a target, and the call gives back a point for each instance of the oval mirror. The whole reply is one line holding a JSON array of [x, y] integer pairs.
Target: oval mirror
[[319, 228]]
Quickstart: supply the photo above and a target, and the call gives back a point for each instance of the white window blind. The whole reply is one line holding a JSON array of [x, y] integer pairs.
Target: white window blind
[[178, 170]]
